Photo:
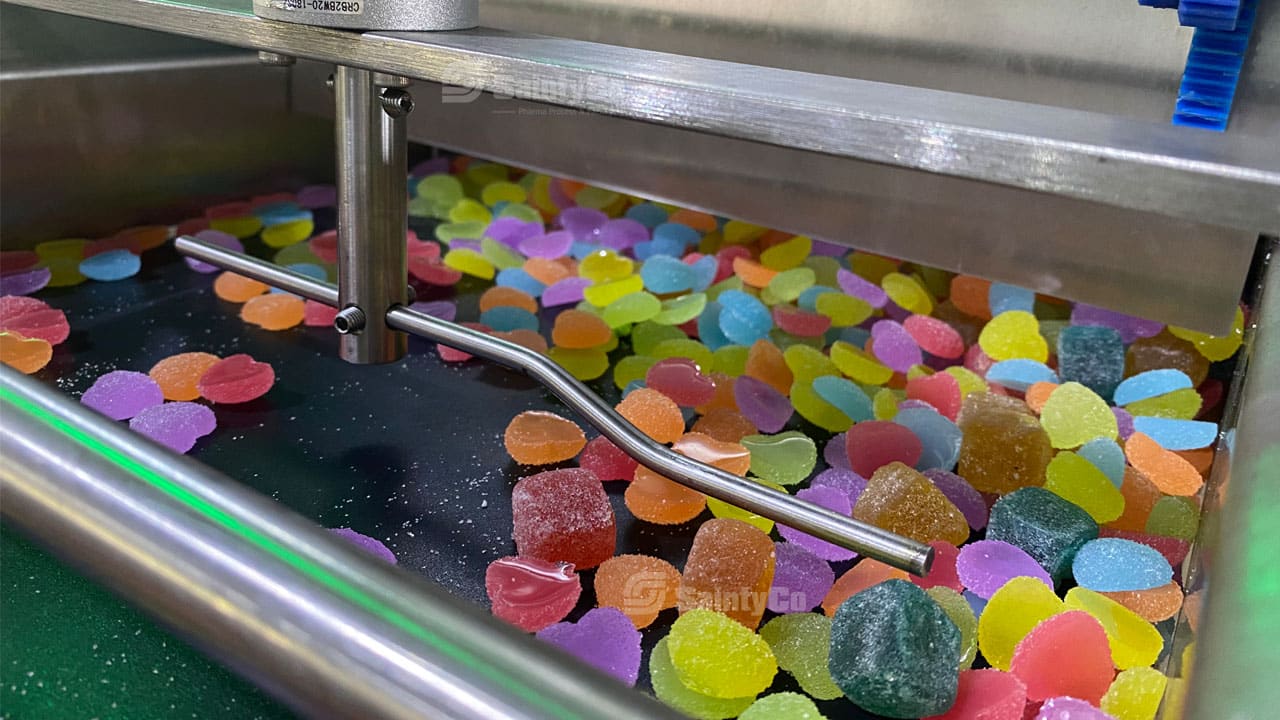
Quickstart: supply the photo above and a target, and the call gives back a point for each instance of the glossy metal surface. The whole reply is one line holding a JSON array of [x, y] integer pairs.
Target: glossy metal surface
[[842, 530], [317, 622], [374, 14], [372, 214]]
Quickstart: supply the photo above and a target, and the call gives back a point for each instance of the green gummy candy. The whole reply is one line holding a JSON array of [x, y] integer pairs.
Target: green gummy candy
[[961, 613], [802, 644], [783, 706], [1176, 517], [669, 689], [786, 458]]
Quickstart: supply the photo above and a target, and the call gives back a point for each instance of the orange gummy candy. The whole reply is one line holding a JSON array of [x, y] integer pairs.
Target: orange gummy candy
[[1140, 495], [901, 500], [275, 311], [177, 375], [524, 337], [866, 573], [723, 398], [535, 437], [1201, 459], [654, 413], [766, 363], [971, 296], [653, 498], [26, 355], [499, 296], [1154, 605], [699, 221], [1168, 471], [753, 273], [731, 457], [546, 271], [729, 570], [1038, 394], [237, 288], [639, 585], [580, 330], [725, 425]]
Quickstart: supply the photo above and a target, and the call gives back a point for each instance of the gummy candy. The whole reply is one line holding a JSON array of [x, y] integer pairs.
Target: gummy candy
[[861, 576], [680, 380], [1115, 564], [236, 379], [901, 500], [785, 458], [1152, 605], [237, 288], [766, 408], [1047, 527], [893, 346], [1129, 328], [1134, 641], [893, 651], [540, 438], [846, 396], [722, 509], [638, 585], [729, 569], [122, 394], [958, 609], [606, 460], [1107, 456], [846, 310], [111, 265], [1169, 472], [1069, 708], [669, 688], [1164, 351], [176, 425], [603, 638], [714, 655], [1091, 356], [985, 566], [801, 643], [1076, 479], [583, 364], [653, 498], [1135, 694], [1021, 374], [1004, 448], [725, 425], [800, 579], [563, 515], [579, 330], [1176, 517], [498, 295], [1073, 415], [987, 695], [859, 365], [874, 444], [942, 573], [565, 292], [373, 546], [833, 499], [1013, 334], [33, 319], [1177, 434], [935, 336], [25, 282], [906, 292], [783, 706], [654, 414], [274, 311], [531, 593], [1215, 347], [962, 494], [26, 355], [1011, 613], [1066, 654]]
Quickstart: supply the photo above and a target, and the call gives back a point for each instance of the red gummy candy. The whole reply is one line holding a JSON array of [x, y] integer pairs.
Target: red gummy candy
[[680, 380], [1067, 654], [12, 261], [987, 695], [236, 379], [563, 516], [876, 443], [317, 314], [449, 354], [799, 322], [943, 572], [433, 271], [325, 246], [940, 390], [32, 318], [531, 594], [603, 458]]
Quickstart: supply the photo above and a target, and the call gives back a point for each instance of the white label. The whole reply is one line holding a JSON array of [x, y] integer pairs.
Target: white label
[[337, 7]]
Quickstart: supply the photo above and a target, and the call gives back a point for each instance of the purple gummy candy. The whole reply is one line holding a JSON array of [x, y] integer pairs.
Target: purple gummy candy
[[829, 249], [551, 245], [1130, 328], [604, 637], [893, 346], [582, 222], [431, 166], [836, 453], [622, 234], [464, 244], [318, 196], [443, 309], [896, 312], [559, 197], [219, 238], [856, 286], [847, 480], [986, 565], [914, 403], [766, 408], [833, 499], [565, 292], [176, 425], [121, 394], [962, 495], [1069, 708], [800, 579], [25, 282], [1124, 422], [373, 546], [512, 231]]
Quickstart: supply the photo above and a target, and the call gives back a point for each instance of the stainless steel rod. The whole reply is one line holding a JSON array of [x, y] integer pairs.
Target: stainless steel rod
[[871, 541], [323, 626]]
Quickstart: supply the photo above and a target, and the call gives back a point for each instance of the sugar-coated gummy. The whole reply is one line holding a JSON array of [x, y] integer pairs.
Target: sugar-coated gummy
[[672, 691], [783, 706], [604, 638], [1114, 564], [371, 545], [1047, 527], [714, 655], [122, 394], [563, 516]]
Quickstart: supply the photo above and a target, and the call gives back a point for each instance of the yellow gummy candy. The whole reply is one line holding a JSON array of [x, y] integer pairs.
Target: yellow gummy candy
[[586, 364], [1134, 641], [502, 191], [521, 211], [446, 232], [918, 371], [1077, 480], [859, 365], [605, 294], [1012, 335], [826, 269], [605, 265], [500, 255], [241, 227], [788, 254], [737, 232], [816, 410], [64, 272], [1012, 612], [718, 656], [1215, 347], [885, 404], [844, 310], [968, 380], [481, 174], [287, 233], [632, 368], [907, 293], [1073, 415], [1135, 694], [807, 363], [680, 310], [730, 359], [871, 267], [722, 509], [470, 262], [598, 198], [1181, 404], [467, 210]]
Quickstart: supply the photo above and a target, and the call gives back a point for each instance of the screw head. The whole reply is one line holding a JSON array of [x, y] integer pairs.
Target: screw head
[[349, 320], [396, 102]]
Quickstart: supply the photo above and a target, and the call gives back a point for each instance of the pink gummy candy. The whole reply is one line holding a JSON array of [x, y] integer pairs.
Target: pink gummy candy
[[1069, 708], [943, 572], [176, 425], [680, 380], [531, 593], [607, 461], [318, 314], [800, 322], [373, 546], [874, 444], [940, 390], [935, 336], [121, 394], [1067, 654], [563, 516], [987, 695], [32, 318], [986, 565], [236, 379]]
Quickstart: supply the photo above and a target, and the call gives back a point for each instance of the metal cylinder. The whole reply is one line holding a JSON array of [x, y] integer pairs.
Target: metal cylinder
[[372, 214], [315, 621]]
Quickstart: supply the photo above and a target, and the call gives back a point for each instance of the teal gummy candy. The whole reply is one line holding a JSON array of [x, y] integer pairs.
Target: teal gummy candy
[[663, 274], [847, 397], [940, 439], [1116, 565], [1107, 456], [1020, 374], [1173, 434], [1092, 356], [311, 270], [647, 214], [505, 318], [893, 651], [1046, 527], [1149, 384], [111, 265], [1002, 297]]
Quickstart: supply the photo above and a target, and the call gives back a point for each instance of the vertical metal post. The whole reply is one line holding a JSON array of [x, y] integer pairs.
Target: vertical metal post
[[372, 214]]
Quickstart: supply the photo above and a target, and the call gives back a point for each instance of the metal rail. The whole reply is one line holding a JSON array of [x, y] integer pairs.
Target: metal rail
[[318, 623], [904, 553]]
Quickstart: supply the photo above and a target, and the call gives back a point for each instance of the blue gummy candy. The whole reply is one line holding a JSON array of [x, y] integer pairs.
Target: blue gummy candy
[[580, 250], [808, 299], [939, 437], [1020, 374], [976, 604], [281, 213], [704, 272], [709, 331], [855, 336], [1173, 434], [1107, 456], [1002, 297], [632, 386], [505, 318], [670, 247], [663, 275], [743, 318], [1117, 565], [519, 279], [111, 265], [845, 396], [679, 233], [647, 214], [1149, 384]]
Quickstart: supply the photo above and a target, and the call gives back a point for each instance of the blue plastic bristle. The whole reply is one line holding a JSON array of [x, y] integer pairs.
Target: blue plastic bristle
[[1209, 14], [1159, 3], [1213, 71]]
